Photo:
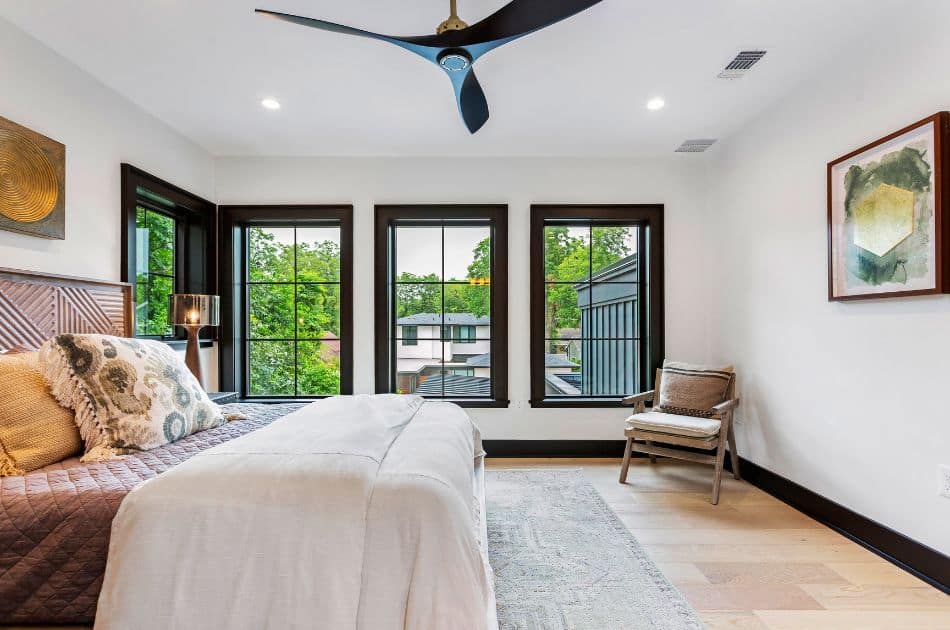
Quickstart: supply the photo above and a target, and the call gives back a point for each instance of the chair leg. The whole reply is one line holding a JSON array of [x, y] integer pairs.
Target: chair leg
[[652, 456], [717, 476], [733, 453], [626, 460]]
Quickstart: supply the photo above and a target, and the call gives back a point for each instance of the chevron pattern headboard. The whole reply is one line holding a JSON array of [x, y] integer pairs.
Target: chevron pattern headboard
[[36, 306]]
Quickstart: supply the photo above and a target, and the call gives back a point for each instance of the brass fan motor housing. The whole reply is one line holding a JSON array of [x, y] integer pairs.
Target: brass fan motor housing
[[453, 23]]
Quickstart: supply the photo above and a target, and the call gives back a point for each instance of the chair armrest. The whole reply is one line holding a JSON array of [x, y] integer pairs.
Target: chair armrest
[[727, 406], [639, 399]]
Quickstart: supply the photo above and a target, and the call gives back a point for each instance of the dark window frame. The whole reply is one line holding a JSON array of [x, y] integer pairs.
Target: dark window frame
[[650, 216], [233, 219], [195, 251], [387, 216]]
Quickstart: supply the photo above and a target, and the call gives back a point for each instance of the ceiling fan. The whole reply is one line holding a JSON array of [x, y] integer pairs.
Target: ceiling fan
[[456, 46]]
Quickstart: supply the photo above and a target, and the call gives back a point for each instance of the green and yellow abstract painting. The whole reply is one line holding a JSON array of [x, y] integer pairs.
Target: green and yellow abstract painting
[[882, 218]]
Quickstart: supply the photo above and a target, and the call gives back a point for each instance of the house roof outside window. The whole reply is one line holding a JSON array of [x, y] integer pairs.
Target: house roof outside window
[[449, 319]]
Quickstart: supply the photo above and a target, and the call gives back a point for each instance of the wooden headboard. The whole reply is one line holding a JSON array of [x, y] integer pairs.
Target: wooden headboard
[[36, 306]]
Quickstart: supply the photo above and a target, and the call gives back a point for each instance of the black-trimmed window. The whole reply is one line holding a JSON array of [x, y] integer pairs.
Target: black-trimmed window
[[442, 302], [596, 303], [167, 247], [287, 303]]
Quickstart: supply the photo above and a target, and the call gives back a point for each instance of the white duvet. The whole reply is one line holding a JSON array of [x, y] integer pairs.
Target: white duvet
[[354, 512]]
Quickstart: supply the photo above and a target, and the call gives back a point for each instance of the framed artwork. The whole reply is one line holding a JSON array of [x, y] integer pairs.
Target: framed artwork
[[32, 182], [886, 210]]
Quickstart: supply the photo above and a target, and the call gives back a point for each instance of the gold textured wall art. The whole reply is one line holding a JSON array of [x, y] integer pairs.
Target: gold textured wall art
[[32, 182]]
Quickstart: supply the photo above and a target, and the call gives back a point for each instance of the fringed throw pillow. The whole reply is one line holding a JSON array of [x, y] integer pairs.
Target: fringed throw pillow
[[128, 394], [692, 390], [35, 431]]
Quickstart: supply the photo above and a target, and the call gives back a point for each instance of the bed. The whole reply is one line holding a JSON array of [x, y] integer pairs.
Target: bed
[[362, 512]]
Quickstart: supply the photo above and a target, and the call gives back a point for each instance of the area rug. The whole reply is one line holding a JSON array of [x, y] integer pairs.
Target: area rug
[[562, 559]]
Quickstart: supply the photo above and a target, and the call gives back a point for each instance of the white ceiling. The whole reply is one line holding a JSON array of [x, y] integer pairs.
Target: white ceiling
[[578, 88]]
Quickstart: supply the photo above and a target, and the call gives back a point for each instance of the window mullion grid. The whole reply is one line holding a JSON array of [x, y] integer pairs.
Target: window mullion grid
[[442, 329], [296, 321]]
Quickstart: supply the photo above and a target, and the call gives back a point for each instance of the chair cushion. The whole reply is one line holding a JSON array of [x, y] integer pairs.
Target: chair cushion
[[692, 390], [673, 424]]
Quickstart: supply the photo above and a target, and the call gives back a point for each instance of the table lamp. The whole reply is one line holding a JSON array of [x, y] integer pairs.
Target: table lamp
[[193, 312]]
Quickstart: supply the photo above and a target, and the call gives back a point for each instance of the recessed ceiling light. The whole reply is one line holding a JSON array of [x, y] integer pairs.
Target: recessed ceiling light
[[656, 104], [270, 103]]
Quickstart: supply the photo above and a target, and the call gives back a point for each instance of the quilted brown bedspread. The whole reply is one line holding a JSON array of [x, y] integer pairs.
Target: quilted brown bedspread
[[55, 522]]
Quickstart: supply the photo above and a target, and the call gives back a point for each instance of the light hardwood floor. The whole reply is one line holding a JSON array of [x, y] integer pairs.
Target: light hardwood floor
[[752, 561]]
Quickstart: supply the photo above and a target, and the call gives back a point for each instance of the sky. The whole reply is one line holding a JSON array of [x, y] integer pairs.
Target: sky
[[419, 250]]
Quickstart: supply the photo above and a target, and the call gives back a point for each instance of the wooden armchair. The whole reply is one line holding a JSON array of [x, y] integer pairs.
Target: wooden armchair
[[712, 433]]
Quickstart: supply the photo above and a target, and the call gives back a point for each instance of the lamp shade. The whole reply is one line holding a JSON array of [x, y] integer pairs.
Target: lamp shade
[[189, 309]]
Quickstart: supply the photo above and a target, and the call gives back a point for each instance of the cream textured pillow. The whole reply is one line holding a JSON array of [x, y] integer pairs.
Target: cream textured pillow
[[128, 394], [34, 430], [692, 390]]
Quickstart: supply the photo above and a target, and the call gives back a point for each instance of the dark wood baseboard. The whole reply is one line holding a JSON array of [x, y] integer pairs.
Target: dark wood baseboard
[[554, 448], [918, 559]]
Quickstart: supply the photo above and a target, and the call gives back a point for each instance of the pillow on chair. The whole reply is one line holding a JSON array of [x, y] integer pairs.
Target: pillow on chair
[[692, 390], [128, 394], [34, 430]]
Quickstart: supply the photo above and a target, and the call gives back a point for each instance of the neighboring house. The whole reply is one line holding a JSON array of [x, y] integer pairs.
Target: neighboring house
[[568, 343], [429, 345]]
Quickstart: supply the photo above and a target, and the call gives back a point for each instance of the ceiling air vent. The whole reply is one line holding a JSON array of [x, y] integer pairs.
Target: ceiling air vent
[[740, 66], [694, 146]]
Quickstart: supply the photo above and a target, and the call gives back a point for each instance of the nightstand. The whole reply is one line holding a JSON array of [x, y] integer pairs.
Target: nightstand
[[223, 398]]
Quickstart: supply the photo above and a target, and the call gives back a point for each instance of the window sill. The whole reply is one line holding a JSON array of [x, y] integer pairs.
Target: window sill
[[181, 343], [578, 403]]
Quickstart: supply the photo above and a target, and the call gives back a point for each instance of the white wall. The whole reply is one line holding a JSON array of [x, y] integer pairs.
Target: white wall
[[101, 129], [676, 181], [847, 399]]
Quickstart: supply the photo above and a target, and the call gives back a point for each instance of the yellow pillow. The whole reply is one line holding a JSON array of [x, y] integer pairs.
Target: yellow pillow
[[34, 430]]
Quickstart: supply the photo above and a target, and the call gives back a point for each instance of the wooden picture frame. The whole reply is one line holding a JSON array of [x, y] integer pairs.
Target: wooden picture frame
[[886, 211]]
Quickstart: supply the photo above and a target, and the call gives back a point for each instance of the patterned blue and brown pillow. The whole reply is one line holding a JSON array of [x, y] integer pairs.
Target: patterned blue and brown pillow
[[128, 394]]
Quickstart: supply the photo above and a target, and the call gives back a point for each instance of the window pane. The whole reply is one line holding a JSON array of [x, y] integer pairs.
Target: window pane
[[318, 368], [141, 304], [468, 253], [161, 243], [318, 311], [270, 253], [566, 253], [612, 245], [419, 253], [608, 310], [471, 300], [458, 384], [318, 254], [271, 366], [159, 288], [562, 313], [419, 305], [271, 311], [605, 368]]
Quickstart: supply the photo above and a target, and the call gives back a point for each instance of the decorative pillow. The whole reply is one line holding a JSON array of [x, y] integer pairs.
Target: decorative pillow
[[128, 394], [34, 430], [692, 390]]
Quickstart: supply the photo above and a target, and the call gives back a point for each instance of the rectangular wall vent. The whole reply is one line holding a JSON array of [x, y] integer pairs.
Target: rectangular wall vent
[[695, 146], [740, 66]]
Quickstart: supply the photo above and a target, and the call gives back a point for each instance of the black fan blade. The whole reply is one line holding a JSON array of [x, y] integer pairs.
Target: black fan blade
[[422, 50], [516, 19], [473, 106]]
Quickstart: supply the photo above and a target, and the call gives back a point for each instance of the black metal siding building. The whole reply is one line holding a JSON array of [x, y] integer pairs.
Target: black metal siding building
[[609, 324]]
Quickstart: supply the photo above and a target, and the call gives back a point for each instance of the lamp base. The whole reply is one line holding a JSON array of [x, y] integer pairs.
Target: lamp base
[[192, 360]]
